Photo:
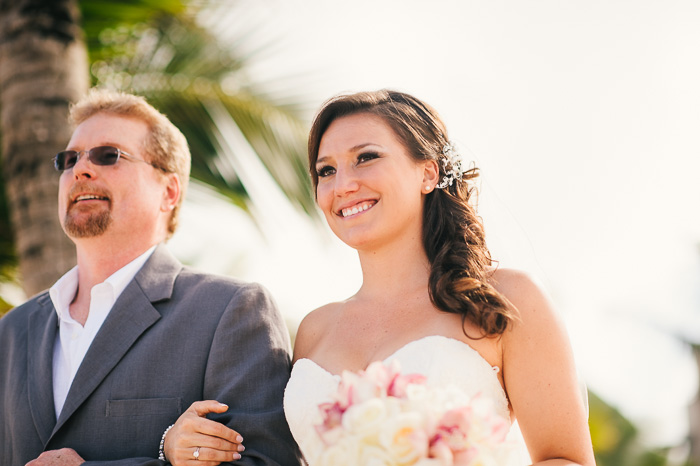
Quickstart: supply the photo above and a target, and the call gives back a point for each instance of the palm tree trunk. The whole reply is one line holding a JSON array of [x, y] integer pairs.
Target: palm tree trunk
[[695, 416], [43, 68]]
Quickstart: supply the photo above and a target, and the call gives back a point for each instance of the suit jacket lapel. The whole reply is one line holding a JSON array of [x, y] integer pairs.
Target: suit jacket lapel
[[132, 314], [43, 325]]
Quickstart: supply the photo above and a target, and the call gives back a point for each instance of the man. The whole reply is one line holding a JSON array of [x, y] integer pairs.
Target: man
[[97, 368]]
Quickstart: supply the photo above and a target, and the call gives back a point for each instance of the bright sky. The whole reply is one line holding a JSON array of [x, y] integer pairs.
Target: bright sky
[[583, 117]]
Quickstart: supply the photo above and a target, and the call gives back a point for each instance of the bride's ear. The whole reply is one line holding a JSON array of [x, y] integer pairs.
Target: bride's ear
[[431, 174]]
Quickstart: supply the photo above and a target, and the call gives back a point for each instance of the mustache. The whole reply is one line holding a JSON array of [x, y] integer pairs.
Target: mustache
[[83, 187]]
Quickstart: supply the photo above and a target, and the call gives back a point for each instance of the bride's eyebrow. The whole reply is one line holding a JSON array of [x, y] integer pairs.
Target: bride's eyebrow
[[362, 146], [352, 149]]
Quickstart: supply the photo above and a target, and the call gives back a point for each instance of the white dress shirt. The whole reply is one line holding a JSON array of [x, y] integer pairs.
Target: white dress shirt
[[72, 339]]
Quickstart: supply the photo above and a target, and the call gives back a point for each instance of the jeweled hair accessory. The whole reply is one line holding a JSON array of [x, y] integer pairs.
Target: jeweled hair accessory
[[452, 165]]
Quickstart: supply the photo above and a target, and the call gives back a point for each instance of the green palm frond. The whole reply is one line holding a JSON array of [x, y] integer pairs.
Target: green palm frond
[[8, 254], [180, 66], [103, 18]]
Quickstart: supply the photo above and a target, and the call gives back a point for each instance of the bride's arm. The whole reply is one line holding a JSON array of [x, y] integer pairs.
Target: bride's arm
[[540, 377]]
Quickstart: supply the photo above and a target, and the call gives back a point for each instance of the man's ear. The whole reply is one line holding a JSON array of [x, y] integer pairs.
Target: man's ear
[[431, 175], [171, 195]]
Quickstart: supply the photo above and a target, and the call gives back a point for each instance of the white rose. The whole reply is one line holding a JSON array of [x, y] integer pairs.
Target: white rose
[[429, 462], [365, 419], [418, 399], [443, 399], [374, 455], [416, 392], [454, 397], [404, 438]]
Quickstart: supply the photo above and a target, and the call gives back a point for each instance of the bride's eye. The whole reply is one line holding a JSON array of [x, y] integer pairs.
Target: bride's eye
[[325, 171], [367, 156]]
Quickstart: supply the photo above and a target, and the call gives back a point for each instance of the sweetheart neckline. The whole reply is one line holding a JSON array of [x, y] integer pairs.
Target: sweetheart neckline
[[494, 369], [446, 361]]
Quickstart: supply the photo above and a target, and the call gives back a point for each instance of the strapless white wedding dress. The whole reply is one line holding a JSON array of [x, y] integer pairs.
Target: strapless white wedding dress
[[441, 360]]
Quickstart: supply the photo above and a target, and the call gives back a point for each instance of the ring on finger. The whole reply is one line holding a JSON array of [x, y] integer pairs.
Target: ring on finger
[[196, 453]]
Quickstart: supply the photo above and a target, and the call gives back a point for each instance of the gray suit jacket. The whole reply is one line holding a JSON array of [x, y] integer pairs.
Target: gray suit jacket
[[173, 337]]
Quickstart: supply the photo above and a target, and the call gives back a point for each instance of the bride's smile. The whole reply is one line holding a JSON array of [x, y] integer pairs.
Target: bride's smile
[[356, 209]]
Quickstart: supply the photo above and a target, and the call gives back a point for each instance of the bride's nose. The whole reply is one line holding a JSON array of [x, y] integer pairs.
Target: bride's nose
[[346, 181]]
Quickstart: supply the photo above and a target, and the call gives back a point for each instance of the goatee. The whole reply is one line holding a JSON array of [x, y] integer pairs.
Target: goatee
[[95, 225]]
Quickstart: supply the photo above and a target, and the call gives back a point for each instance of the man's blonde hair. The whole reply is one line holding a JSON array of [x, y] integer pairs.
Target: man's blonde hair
[[165, 146]]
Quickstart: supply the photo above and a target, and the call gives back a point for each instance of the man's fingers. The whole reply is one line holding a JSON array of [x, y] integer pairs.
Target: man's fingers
[[190, 429], [185, 456], [208, 427], [217, 456], [219, 431], [202, 408], [217, 443]]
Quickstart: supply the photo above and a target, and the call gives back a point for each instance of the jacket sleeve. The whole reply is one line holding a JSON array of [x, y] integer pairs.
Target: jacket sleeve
[[248, 369]]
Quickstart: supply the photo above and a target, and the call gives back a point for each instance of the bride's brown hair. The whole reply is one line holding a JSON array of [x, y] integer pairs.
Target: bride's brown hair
[[453, 235]]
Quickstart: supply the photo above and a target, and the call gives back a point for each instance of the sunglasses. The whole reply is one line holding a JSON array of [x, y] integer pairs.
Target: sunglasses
[[102, 155]]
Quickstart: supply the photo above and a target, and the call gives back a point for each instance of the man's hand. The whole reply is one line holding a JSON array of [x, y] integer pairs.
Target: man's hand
[[62, 457]]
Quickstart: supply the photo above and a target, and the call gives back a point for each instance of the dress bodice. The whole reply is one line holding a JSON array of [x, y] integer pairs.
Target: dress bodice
[[440, 359]]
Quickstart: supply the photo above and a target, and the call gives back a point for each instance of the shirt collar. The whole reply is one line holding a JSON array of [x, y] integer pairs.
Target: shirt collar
[[63, 291]]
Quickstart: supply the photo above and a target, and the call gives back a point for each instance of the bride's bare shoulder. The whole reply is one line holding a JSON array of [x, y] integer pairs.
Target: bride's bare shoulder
[[516, 285], [312, 327], [513, 282], [536, 318], [523, 291]]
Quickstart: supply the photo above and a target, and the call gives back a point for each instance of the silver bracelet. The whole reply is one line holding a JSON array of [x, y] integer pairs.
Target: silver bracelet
[[161, 453]]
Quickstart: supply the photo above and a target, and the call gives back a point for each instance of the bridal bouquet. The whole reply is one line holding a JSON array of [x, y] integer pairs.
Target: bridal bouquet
[[380, 417]]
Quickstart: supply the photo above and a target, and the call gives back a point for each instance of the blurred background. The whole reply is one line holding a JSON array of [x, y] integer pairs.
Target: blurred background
[[582, 116]]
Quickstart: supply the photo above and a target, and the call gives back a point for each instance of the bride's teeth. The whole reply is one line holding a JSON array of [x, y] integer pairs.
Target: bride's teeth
[[355, 209]]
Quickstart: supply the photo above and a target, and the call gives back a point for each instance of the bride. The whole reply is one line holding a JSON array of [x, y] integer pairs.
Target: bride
[[391, 185]]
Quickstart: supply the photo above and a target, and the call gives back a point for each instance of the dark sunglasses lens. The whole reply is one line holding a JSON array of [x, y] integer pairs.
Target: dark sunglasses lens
[[66, 159], [104, 155]]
